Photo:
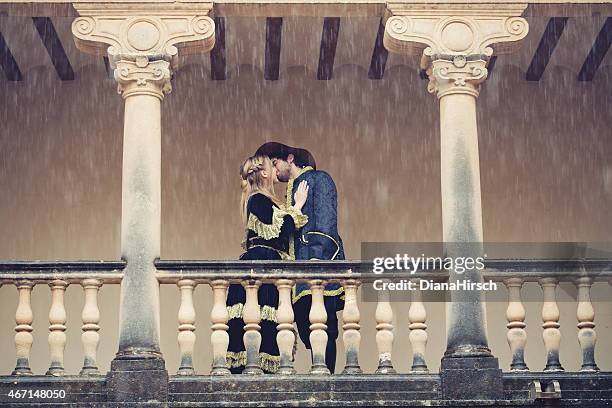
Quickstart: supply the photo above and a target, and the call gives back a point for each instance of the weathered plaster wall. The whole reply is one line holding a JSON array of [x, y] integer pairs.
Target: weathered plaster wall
[[545, 152]]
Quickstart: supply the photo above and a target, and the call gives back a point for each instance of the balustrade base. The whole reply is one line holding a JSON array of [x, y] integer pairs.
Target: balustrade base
[[398, 390], [137, 380], [471, 378], [303, 390]]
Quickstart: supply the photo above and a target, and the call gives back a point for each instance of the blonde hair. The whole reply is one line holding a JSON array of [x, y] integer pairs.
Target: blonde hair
[[253, 181]]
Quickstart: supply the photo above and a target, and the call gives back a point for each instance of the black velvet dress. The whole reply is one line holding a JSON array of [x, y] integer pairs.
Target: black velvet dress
[[269, 229]]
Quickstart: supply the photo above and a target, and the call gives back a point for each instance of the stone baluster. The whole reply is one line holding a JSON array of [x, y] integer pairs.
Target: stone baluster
[[384, 333], [318, 334], [418, 334], [186, 334], [350, 320], [586, 328], [285, 337], [219, 318], [252, 338], [91, 317], [23, 329], [550, 317], [515, 314], [57, 327]]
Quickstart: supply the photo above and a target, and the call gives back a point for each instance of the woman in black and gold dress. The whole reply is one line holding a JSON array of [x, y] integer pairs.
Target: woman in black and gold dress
[[269, 225]]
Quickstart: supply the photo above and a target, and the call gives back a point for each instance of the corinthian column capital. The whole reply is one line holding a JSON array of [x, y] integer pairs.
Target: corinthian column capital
[[456, 75], [143, 77], [156, 31], [455, 40]]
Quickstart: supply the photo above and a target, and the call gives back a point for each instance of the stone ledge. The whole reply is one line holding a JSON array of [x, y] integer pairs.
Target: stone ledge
[[398, 390], [81, 390]]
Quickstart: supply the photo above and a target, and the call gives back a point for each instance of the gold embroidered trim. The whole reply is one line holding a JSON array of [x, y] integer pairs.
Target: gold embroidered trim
[[283, 255], [269, 231], [265, 312], [325, 235], [267, 361], [334, 292], [299, 219], [289, 202]]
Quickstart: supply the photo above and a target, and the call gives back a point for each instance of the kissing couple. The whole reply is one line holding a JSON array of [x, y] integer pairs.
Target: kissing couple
[[302, 226]]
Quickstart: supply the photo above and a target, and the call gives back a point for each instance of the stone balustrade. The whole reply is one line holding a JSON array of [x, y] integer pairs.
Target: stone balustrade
[[511, 273], [219, 275], [548, 274], [381, 384], [58, 276]]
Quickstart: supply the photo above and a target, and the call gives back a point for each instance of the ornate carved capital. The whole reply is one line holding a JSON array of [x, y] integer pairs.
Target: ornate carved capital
[[456, 40], [458, 75], [157, 31], [143, 77]]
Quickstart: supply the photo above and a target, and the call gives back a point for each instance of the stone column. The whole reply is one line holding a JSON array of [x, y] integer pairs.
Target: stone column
[[455, 42], [23, 335], [515, 314], [91, 319], [285, 338], [586, 328], [142, 42], [550, 323], [219, 338], [384, 333], [350, 319], [57, 327], [318, 327], [417, 315], [186, 330]]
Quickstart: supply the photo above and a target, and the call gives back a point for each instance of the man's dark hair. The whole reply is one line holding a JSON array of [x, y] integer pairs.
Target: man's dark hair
[[283, 154], [275, 150]]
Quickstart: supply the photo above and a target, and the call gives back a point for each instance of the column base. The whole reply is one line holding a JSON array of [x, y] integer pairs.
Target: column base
[[589, 368], [89, 372], [138, 378], [467, 351], [56, 371], [22, 367], [319, 369], [286, 371], [471, 378], [252, 371], [352, 370], [185, 371]]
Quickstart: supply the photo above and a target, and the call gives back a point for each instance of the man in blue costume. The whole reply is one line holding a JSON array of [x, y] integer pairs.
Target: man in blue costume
[[318, 239]]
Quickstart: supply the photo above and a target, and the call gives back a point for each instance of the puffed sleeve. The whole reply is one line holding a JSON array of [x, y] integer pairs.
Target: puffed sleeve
[[321, 241], [270, 221]]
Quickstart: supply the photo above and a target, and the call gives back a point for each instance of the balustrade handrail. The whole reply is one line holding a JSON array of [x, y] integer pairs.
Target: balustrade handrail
[[109, 272], [171, 271]]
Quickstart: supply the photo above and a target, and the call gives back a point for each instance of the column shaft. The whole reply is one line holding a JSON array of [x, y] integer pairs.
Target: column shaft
[[140, 223], [462, 219]]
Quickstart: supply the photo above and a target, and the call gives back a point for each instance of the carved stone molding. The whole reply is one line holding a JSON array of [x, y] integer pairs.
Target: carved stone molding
[[156, 31], [458, 75], [455, 40], [143, 77], [454, 29]]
